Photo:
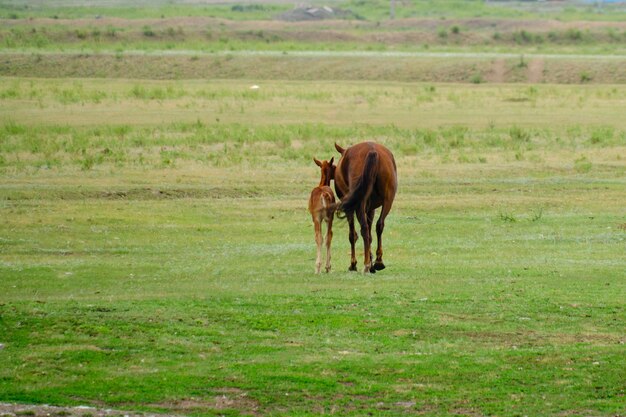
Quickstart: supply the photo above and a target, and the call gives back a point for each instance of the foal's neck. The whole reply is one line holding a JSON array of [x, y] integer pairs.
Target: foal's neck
[[325, 180]]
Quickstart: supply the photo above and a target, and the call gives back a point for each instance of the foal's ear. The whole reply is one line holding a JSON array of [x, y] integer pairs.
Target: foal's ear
[[331, 161], [339, 148], [317, 162]]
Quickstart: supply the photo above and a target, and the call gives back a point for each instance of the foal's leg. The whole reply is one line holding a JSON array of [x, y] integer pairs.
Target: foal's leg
[[380, 226], [329, 238], [353, 237], [318, 241]]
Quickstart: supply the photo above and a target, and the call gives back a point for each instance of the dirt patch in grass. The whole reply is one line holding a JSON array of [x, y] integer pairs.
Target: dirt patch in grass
[[15, 410], [229, 399], [306, 68]]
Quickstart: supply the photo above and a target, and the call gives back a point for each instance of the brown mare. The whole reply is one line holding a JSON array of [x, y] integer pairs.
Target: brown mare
[[322, 208], [365, 179]]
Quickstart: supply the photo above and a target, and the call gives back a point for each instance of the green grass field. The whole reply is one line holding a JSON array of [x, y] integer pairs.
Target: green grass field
[[157, 255]]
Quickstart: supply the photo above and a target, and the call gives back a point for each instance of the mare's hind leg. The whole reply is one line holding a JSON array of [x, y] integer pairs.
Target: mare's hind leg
[[367, 240], [318, 241], [329, 238], [380, 226], [370, 221], [353, 237]]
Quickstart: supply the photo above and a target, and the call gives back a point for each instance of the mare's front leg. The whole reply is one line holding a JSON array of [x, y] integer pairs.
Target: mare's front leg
[[353, 236]]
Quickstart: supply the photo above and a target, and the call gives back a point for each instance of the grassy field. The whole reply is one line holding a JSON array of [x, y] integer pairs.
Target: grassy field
[[156, 254], [267, 9], [428, 41]]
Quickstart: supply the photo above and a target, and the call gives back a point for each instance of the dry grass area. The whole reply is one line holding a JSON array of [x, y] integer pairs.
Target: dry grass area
[[321, 67], [24, 410]]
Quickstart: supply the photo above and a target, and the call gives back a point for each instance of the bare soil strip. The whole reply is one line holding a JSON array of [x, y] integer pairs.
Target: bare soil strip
[[450, 68], [12, 410]]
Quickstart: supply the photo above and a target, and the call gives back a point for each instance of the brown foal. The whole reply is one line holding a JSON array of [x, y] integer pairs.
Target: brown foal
[[322, 208]]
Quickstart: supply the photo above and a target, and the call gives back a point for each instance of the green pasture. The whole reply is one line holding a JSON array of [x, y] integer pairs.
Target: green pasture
[[156, 254], [205, 34], [209, 27], [264, 9]]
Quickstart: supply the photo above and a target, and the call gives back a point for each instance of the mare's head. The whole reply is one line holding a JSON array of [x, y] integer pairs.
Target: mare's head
[[328, 170]]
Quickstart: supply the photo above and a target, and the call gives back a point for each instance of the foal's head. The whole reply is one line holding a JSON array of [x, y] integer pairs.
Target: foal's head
[[328, 170]]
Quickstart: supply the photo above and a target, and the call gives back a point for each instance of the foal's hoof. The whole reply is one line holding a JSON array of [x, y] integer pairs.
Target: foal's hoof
[[379, 266], [352, 267]]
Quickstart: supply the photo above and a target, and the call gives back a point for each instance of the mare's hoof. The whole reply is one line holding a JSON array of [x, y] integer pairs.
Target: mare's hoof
[[369, 270], [379, 266], [352, 267]]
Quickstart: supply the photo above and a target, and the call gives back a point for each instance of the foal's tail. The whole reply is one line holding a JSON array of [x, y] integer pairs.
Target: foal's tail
[[363, 187], [328, 200]]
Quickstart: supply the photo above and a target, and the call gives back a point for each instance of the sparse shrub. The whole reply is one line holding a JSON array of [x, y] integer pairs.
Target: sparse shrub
[[507, 217], [522, 63], [496, 36], [456, 30], [87, 163], [442, 33], [601, 135], [585, 77], [477, 78], [574, 34], [518, 134], [81, 33], [247, 8], [582, 165], [13, 128], [430, 137], [147, 31], [111, 32], [522, 36]]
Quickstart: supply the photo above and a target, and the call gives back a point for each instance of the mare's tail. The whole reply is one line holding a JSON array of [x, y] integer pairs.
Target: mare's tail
[[364, 186]]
